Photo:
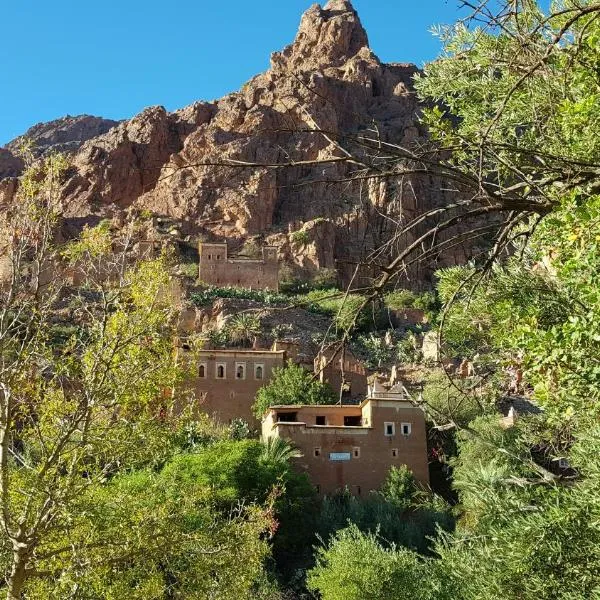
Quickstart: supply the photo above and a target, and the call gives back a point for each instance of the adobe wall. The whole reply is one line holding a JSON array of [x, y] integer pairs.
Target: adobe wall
[[334, 414], [232, 397], [354, 373], [369, 469], [215, 268]]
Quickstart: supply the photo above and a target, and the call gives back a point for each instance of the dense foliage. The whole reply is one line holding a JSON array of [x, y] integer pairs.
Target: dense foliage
[[525, 91], [292, 384]]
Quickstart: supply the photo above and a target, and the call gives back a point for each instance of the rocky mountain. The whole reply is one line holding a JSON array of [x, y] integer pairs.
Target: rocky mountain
[[61, 135], [215, 167]]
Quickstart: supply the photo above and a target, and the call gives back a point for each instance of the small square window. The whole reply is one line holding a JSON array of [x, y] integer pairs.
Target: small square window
[[406, 428], [320, 420], [317, 451], [356, 452], [394, 452], [389, 429]]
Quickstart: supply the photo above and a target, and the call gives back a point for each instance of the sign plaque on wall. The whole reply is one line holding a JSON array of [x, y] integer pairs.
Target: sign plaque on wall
[[339, 456]]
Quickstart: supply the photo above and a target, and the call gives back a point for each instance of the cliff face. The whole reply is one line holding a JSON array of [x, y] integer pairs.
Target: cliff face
[[193, 165]]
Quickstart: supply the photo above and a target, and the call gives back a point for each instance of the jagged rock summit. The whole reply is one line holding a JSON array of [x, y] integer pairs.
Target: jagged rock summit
[[210, 165]]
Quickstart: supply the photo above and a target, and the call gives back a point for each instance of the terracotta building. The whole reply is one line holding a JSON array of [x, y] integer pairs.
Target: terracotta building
[[354, 446], [226, 381], [216, 268], [342, 371]]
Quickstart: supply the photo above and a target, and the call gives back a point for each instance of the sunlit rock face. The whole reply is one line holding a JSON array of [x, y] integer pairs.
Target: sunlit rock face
[[326, 86]]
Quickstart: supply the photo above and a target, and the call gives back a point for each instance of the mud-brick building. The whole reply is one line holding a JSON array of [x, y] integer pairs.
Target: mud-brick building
[[216, 268], [226, 381], [354, 446], [342, 371]]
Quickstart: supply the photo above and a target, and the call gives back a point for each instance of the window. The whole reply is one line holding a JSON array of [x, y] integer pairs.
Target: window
[[287, 417], [202, 371], [221, 371], [240, 370], [389, 429], [357, 489], [320, 421], [356, 452], [209, 256], [317, 452], [406, 428], [352, 421], [318, 488], [259, 372], [218, 257], [394, 452]]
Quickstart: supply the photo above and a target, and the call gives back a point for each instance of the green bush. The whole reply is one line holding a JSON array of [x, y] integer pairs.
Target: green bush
[[400, 487], [300, 237], [399, 299], [208, 295], [189, 270]]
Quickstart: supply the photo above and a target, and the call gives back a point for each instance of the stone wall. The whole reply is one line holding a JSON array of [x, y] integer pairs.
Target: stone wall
[[342, 369], [216, 268]]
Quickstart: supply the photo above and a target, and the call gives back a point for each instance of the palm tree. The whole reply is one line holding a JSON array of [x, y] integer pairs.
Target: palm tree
[[243, 328], [279, 450]]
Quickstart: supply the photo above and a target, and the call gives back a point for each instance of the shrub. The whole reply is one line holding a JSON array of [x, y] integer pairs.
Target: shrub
[[189, 270], [399, 487], [300, 237], [208, 295], [400, 299]]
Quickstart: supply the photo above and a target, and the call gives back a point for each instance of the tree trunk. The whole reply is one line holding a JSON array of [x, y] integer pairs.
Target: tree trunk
[[16, 581]]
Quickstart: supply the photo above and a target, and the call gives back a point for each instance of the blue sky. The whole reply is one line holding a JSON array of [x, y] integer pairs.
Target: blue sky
[[115, 57]]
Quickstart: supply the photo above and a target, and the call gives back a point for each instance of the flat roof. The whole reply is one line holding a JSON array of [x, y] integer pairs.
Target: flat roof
[[299, 406], [241, 351]]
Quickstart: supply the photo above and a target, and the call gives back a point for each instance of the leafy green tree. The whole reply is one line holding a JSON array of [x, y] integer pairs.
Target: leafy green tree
[[159, 535], [291, 385], [400, 487], [523, 93], [358, 566]]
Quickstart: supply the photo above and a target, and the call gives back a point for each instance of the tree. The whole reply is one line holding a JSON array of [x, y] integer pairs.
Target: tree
[[279, 450], [243, 328], [357, 566], [73, 411], [515, 105], [291, 385]]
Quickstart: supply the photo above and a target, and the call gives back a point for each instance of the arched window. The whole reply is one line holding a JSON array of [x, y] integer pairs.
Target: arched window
[[220, 371], [258, 372], [202, 371], [240, 372]]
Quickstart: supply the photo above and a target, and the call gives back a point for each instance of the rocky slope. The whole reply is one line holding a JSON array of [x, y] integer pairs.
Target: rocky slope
[[61, 135], [209, 165]]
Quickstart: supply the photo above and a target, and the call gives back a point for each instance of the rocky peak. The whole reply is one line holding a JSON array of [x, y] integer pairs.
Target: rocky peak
[[327, 37], [186, 165], [63, 134]]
